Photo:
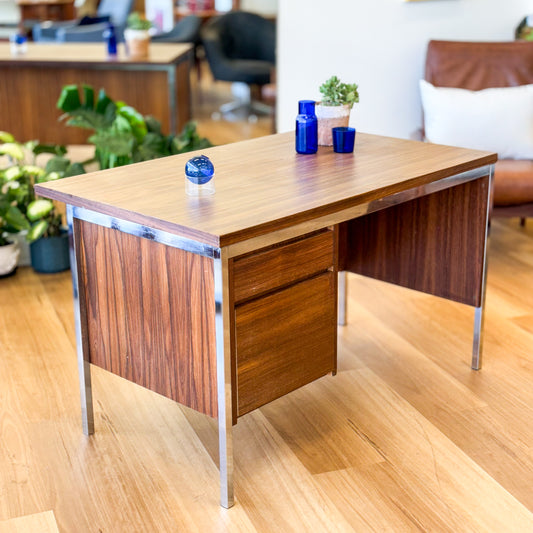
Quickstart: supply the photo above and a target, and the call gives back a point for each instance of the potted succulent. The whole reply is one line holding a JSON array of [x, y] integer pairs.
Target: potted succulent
[[334, 108], [137, 36]]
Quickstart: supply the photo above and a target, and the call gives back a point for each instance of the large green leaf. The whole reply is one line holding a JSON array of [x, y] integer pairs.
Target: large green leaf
[[92, 120], [136, 121], [15, 218], [37, 230], [102, 102], [6, 137], [88, 96], [69, 99], [55, 149], [12, 149], [120, 143], [57, 164], [39, 208]]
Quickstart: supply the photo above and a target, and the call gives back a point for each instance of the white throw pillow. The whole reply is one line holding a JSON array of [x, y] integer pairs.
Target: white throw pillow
[[497, 120]]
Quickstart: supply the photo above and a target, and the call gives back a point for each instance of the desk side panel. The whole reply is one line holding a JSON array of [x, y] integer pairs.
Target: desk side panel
[[434, 244], [150, 314], [28, 95]]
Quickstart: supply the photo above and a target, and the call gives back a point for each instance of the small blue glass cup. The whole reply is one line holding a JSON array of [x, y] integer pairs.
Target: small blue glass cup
[[343, 139]]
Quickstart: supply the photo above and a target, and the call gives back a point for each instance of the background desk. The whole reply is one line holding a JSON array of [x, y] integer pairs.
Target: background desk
[[227, 302], [30, 86]]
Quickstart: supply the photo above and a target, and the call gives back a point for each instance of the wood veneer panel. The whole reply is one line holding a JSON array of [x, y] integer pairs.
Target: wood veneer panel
[[150, 314], [433, 244], [285, 340], [280, 265]]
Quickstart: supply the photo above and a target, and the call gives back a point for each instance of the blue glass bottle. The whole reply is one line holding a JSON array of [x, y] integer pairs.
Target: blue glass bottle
[[111, 40], [306, 128]]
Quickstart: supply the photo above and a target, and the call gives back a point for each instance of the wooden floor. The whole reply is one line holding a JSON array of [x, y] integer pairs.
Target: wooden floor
[[406, 437]]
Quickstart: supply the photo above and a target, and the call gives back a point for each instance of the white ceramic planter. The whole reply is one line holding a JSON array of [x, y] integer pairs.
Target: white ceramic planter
[[137, 42], [330, 116], [9, 255]]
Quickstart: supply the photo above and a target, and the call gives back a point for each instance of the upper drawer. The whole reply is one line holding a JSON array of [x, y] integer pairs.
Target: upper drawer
[[282, 265]]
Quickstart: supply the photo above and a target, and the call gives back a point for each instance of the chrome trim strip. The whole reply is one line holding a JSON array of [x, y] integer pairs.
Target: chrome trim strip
[[84, 368], [223, 354], [342, 295], [145, 232], [479, 315], [309, 226]]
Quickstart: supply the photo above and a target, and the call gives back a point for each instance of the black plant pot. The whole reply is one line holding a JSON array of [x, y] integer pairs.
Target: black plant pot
[[50, 254]]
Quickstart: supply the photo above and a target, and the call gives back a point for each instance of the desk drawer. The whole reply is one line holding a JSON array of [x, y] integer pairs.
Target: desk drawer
[[285, 340], [282, 265]]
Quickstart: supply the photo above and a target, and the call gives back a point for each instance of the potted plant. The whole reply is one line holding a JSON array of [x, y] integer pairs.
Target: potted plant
[[122, 135], [137, 36], [21, 211], [334, 108]]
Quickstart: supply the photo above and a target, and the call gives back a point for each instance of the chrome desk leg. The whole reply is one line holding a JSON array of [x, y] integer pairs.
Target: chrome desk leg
[[84, 368], [477, 347], [223, 352], [342, 295]]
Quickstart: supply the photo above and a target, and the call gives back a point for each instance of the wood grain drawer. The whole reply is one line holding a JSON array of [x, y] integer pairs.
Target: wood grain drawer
[[281, 265], [285, 340]]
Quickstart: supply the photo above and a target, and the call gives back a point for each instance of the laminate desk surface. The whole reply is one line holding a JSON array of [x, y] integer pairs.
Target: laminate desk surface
[[90, 53], [264, 184]]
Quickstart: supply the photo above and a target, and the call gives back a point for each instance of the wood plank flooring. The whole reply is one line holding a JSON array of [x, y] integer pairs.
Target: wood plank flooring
[[405, 438]]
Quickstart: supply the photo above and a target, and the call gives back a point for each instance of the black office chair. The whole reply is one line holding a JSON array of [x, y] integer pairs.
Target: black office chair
[[241, 47], [87, 28]]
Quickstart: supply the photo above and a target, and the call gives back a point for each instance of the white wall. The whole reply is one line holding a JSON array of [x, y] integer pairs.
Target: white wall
[[380, 45], [263, 7]]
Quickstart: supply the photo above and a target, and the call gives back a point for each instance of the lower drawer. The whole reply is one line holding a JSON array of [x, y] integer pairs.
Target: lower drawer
[[285, 340]]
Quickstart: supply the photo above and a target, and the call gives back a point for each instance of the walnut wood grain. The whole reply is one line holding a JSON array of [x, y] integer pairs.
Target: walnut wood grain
[[150, 314], [30, 86], [433, 244], [263, 185], [285, 340], [265, 270]]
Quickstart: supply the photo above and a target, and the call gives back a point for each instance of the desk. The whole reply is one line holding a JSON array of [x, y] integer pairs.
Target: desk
[[30, 86], [46, 10], [225, 303]]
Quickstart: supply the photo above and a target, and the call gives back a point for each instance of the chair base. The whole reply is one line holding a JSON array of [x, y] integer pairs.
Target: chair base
[[242, 110]]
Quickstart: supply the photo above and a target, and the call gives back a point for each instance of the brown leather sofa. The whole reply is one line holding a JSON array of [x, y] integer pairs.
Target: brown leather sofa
[[480, 65]]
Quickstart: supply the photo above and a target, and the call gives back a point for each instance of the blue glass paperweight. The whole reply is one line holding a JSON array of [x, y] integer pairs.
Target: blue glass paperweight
[[199, 176], [306, 128], [18, 43]]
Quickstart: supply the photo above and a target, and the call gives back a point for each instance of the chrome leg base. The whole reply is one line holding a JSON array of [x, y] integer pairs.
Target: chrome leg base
[[478, 339]]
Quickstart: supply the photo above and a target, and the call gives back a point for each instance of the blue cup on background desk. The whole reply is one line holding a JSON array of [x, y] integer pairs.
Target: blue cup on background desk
[[343, 139]]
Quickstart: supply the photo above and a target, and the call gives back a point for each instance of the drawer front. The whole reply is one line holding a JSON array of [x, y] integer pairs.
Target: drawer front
[[281, 265], [285, 340]]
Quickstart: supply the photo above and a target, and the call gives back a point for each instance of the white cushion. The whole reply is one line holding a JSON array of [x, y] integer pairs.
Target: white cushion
[[497, 120]]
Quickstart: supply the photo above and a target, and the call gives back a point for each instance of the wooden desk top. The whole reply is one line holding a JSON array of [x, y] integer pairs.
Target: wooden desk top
[[262, 185], [90, 54], [47, 2]]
